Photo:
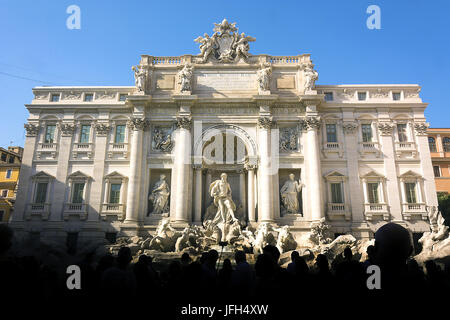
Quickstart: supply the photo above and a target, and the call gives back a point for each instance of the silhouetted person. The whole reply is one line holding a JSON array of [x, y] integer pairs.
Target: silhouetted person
[[224, 279], [291, 268], [243, 278], [370, 256], [350, 273], [324, 281], [392, 248], [119, 279]]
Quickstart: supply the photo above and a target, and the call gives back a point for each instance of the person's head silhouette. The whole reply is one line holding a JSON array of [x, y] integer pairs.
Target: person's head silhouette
[[348, 254], [124, 257], [239, 256], [392, 245]]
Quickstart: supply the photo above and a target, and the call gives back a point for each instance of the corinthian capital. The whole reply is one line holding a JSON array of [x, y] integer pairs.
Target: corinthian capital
[[349, 127], [32, 129], [421, 128], [266, 122], [311, 123], [102, 129], [385, 128], [137, 123], [184, 122], [67, 129]]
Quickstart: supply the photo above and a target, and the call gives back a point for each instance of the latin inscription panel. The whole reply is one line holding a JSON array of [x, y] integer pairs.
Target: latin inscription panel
[[244, 81]]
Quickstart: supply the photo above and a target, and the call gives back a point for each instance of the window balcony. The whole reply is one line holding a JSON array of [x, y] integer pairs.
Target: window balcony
[[332, 147], [113, 209], [75, 209], [338, 210], [376, 209], [118, 150], [80, 148], [405, 147], [41, 210], [46, 148], [415, 210], [366, 148]]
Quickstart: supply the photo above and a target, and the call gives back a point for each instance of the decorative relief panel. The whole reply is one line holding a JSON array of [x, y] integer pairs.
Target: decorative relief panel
[[104, 95], [71, 96], [41, 96], [379, 94], [162, 139], [289, 139]]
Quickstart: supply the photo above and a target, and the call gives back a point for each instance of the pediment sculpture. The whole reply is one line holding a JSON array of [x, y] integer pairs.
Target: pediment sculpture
[[225, 45]]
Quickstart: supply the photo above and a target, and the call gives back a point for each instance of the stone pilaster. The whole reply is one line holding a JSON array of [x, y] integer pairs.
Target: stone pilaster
[[392, 187], [429, 191], [354, 183], [26, 169], [59, 189], [102, 130]]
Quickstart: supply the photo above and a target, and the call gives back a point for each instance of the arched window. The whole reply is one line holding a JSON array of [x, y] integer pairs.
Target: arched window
[[446, 143], [432, 144]]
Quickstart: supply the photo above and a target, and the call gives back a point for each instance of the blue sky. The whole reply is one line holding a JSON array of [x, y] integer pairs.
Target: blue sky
[[412, 46]]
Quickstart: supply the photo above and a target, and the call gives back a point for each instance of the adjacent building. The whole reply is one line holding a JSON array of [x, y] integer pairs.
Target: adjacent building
[[439, 142], [10, 160], [104, 161]]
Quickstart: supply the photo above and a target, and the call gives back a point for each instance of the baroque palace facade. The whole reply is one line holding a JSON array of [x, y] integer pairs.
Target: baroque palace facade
[[117, 160]]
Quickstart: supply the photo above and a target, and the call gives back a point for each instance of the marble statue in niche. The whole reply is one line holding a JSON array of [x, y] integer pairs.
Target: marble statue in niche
[[289, 139], [162, 140], [289, 195], [160, 196], [220, 190]]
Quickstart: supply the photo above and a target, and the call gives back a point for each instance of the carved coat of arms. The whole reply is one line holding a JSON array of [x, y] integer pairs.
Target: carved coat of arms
[[225, 45]]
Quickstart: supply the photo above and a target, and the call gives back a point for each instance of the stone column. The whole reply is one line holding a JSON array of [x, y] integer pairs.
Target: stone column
[[251, 193], [137, 125], [59, 189], [208, 179], [182, 167], [198, 194], [312, 156], [265, 209], [102, 130], [26, 169], [387, 147], [242, 191]]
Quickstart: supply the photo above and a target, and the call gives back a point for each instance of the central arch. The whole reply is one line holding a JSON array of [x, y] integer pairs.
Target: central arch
[[211, 132]]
